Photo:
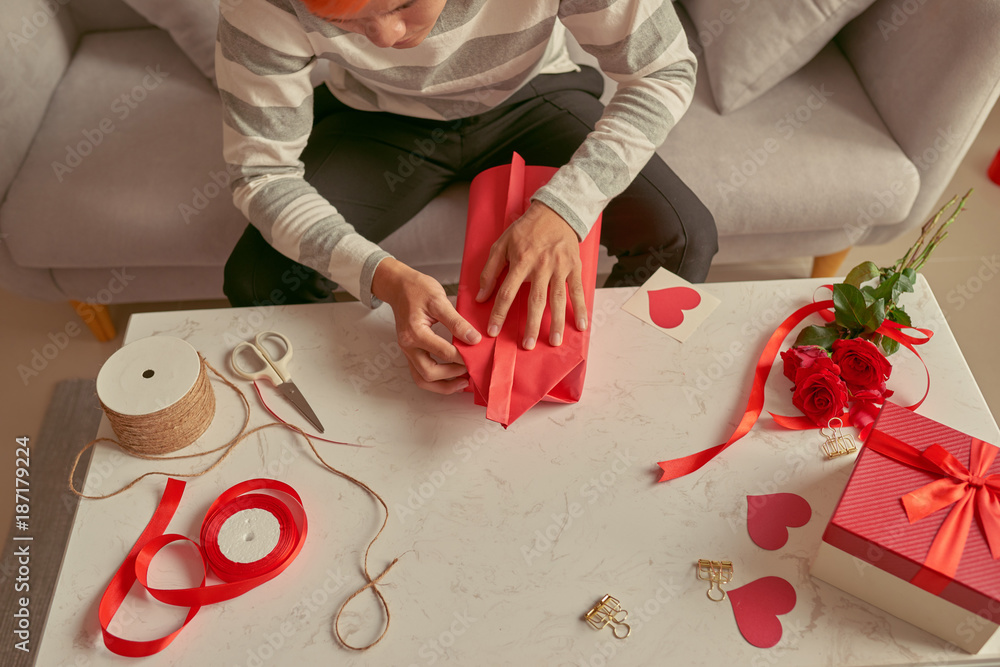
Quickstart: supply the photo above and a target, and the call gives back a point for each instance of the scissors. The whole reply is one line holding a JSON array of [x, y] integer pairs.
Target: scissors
[[275, 370]]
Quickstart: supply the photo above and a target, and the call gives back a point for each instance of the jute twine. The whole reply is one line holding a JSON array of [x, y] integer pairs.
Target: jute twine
[[175, 427], [170, 429]]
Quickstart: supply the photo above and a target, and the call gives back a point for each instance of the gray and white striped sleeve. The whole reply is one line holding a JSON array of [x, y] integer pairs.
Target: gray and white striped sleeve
[[263, 64], [642, 46]]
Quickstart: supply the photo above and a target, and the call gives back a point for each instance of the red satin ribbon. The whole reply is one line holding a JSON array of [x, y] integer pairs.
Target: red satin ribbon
[[970, 490], [683, 466], [501, 388], [238, 577], [686, 465]]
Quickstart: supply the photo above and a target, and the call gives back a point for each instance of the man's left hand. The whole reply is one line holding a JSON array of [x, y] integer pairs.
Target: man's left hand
[[541, 248]]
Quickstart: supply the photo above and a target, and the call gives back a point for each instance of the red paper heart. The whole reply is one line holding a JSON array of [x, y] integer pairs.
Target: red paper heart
[[768, 518], [757, 607], [667, 306]]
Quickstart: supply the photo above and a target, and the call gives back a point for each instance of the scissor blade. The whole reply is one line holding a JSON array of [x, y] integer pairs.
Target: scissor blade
[[292, 393]]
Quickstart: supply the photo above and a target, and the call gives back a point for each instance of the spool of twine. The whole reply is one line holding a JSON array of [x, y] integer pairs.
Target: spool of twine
[[154, 434], [170, 429]]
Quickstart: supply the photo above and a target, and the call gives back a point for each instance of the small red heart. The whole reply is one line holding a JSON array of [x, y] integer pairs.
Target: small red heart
[[768, 518], [667, 306], [757, 607]]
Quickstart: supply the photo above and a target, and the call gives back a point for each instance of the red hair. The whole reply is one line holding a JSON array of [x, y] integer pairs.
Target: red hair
[[334, 8]]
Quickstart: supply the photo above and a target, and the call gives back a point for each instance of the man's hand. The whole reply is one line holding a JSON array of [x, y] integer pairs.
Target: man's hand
[[417, 302], [540, 248]]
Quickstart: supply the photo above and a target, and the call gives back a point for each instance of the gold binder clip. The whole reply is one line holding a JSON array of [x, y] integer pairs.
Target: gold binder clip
[[609, 612], [836, 443], [716, 573]]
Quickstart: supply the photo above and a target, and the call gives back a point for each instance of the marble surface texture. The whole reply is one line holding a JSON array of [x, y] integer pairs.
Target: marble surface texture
[[506, 538]]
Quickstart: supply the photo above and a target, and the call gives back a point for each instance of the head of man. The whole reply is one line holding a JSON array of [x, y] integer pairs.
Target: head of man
[[399, 24]]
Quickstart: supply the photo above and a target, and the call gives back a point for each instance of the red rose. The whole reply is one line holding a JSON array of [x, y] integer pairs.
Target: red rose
[[820, 394], [862, 365], [805, 356]]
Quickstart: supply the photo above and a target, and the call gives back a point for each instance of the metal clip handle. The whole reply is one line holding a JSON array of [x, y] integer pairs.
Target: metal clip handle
[[716, 573], [608, 611], [837, 443]]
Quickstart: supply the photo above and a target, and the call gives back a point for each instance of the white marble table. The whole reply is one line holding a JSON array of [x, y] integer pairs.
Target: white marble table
[[508, 537]]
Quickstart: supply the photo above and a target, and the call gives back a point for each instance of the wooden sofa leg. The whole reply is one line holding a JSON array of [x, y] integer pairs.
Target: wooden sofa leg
[[96, 316], [827, 266]]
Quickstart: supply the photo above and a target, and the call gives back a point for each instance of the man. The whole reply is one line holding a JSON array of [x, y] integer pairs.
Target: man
[[464, 84]]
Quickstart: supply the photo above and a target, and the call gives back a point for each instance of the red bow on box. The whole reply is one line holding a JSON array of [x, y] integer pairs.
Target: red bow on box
[[972, 492], [505, 378]]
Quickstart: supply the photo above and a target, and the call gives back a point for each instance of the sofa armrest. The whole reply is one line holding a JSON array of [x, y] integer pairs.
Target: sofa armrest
[[932, 70], [37, 47]]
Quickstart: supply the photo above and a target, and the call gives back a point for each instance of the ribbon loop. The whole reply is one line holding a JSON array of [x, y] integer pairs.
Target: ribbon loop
[[932, 497], [239, 578], [755, 404]]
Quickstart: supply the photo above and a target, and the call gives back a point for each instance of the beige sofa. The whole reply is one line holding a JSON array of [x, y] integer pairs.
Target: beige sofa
[[114, 190]]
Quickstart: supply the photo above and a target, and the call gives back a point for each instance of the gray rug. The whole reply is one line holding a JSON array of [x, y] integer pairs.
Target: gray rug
[[70, 422]]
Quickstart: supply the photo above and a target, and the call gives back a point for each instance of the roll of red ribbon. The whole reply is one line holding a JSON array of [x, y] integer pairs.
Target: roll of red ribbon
[[238, 577]]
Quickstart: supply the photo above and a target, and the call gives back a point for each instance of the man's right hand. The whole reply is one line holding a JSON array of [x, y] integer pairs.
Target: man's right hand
[[418, 302]]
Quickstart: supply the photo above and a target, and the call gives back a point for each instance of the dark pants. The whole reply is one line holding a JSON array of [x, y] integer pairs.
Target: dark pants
[[359, 161]]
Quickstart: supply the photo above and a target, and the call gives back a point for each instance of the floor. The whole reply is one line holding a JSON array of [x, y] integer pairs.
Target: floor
[[961, 273]]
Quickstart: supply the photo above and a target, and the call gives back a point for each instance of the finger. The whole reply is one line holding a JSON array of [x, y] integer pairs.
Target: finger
[[430, 370], [491, 270], [423, 338], [506, 294], [536, 308], [451, 386], [557, 311], [578, 299], [445, 313]]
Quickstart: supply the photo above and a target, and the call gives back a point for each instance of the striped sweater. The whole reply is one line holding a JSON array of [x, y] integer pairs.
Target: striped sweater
[[477, 55]]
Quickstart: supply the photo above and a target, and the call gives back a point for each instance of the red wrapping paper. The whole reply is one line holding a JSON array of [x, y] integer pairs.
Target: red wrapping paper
[[871, 521], [503, 376]]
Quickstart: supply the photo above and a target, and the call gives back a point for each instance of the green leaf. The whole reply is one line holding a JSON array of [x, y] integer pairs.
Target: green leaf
[[823, 336], [849, 306], [875, 315], [900, 316], [887, 287], [889, 346], [862, 273], [907, 278]]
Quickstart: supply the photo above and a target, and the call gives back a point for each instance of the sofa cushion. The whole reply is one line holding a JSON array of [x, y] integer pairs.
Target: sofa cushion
[[756, 169], [140, 284], [749, 46], [191, 23], [812, 156], [127, 164]]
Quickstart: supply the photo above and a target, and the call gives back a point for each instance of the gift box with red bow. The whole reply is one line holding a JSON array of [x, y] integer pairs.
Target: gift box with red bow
[[917, 529]]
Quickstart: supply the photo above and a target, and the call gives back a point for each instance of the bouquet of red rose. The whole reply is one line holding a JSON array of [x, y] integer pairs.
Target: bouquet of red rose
[[853, 377], [839, 370]]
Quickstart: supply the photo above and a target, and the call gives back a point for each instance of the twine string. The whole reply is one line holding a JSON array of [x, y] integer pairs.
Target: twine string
[[174, 427]]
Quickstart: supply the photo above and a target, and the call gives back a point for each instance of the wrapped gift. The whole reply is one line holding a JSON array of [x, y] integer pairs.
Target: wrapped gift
[[505, 378], [917, 529]]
